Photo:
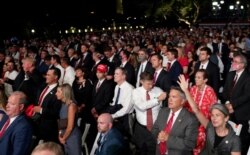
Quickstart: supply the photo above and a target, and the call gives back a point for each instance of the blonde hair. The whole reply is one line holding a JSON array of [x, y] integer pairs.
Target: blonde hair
[[67, 91]]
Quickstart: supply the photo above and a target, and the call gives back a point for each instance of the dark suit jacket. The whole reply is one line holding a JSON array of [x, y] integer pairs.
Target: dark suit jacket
[[130, 78], [48, 129], [183, 135], [174, 72], [148, 69], [17, 138], [239, 96], [87, 62], [113, 143], [102, 97], [30, 86], [213, 75], [163, 81]]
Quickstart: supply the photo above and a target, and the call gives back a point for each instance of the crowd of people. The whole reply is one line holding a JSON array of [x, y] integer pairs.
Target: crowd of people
[[143, 92]]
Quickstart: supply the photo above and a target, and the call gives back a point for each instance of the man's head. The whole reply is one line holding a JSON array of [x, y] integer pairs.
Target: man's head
[[104, 122], [101, 71], [205, 54], [142, 55], [239, 62], [28, 64], [156, 60], [147, 80], [172, 54], [16, 103], [48, 148], [53, 75], [120, 75], [176, 98]]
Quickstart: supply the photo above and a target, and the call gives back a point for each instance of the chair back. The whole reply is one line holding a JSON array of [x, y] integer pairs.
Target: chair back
[[237, 127]]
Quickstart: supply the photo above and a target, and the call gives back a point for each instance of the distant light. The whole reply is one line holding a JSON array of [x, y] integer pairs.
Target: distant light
[[120, 27], [125, 27], [109, 28], [66, 31], [33, 31], [79, 31], [85, 30], [222, 2], [103, 29], [215, 3], [92, 12], [231, 7], [134, 18], [142, 27], [136, 27], [238, 2], [128, 18], [73, 31], [60, 32], [145, 16], [242, 7], [91, 30], [114, 28], [214, 8], [131, 27]]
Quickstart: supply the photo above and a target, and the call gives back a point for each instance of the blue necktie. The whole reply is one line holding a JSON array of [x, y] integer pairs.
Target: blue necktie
[[117, 97]]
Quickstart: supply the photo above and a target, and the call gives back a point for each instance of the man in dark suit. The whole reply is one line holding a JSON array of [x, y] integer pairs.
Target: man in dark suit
[[130, 77], [143, 65], [161, 77], [103, 93], [85, 58], [28, 80], [15, 130], [237, 97], [175, 128], [110, 141], [211, 68], [174, 68], [48, 107]]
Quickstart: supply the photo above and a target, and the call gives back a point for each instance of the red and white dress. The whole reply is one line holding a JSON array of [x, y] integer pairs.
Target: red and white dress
[[204, 99]]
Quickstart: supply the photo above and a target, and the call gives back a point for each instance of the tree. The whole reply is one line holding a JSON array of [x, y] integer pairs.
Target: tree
[[186, 11]]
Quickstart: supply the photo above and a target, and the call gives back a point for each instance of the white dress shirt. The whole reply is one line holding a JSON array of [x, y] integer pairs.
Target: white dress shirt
[[69, 76], [141, 104], [125, 99]]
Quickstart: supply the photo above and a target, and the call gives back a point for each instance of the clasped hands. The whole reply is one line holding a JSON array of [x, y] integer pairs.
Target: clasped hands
[[162, 136]]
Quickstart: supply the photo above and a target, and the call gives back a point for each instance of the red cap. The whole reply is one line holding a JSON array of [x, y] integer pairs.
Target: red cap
[[102, 68]]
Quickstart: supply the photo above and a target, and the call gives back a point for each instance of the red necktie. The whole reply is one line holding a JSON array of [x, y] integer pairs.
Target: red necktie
[[155, 76], [42, 95], [163, 145], [6, 124], [149, 114], [169, 66]]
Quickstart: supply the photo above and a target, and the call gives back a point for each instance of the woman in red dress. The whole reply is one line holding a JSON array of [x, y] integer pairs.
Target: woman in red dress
[[204, 96]]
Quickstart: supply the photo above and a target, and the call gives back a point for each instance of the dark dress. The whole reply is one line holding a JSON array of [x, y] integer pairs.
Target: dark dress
[[73, 142]]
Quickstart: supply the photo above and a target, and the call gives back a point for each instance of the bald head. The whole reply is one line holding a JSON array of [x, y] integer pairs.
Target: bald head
[[104, 122]]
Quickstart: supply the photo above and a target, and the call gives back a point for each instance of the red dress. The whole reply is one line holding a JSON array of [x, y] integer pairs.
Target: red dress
[[204, 99]]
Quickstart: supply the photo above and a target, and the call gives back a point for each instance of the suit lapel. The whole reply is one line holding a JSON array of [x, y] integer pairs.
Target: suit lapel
[[178, 120], [12, 125]]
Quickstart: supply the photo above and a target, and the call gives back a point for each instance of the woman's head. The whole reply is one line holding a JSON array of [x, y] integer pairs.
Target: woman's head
[[65, 93], [219, 115], [201, 77], [81, 72]]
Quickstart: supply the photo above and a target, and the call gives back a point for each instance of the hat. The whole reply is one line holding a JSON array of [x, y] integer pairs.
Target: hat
[[102, 68], [221, 107]]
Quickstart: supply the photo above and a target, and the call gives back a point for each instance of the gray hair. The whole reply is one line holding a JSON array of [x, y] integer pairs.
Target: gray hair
[[221, 107]]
